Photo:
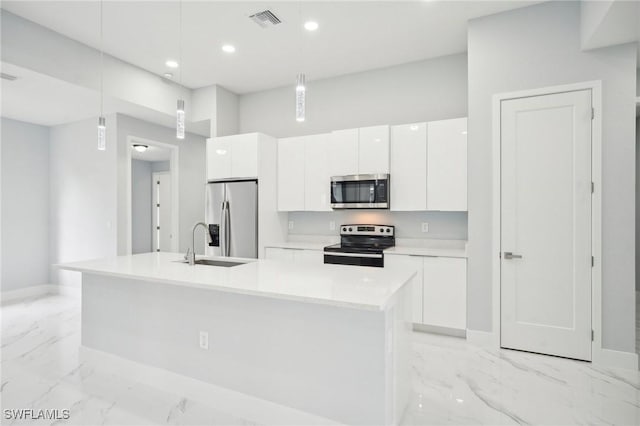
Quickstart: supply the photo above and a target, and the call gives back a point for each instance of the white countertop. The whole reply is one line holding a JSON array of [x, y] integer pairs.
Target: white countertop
[[414, 247], [335, 285]]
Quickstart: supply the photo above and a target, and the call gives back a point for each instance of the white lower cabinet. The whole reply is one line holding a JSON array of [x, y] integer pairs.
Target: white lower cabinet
[[410, 262], [439, 289], [444, 297], [295, 255]]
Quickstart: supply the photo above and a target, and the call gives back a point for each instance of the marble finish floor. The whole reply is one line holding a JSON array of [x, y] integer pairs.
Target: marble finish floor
[[454, 382]]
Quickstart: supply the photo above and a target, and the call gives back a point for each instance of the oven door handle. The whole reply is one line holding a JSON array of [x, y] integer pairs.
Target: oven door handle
[[341, 254]]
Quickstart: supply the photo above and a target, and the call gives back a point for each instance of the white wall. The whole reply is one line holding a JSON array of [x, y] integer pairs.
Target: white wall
[[83, 196], [419, 91], [191, 175], [141, 211], [25, 204], [535, 47]]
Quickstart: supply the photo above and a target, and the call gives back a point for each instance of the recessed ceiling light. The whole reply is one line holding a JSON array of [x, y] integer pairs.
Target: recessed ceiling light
[[464, 132], [171, 63], [311, 25], [228, 48], [140, 148], [168, 75], [414, 127]]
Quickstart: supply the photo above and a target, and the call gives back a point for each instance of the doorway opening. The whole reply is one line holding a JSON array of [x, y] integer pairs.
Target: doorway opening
[[153, 200]]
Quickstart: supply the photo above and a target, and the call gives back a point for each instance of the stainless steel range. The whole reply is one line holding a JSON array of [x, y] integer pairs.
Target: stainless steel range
[[361, 245]]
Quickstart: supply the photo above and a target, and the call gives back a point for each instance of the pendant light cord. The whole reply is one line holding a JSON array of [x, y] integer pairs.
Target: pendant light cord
[[180, 41], [101, 62]]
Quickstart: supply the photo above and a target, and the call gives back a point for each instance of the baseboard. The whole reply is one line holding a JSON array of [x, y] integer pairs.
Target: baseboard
[[618, 359], [446, 331], [27, 292], [482, 338]]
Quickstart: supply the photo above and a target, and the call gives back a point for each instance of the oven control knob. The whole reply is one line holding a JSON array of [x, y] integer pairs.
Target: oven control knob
[[344, 229], [388, 229], [350, 229], [381, 230]]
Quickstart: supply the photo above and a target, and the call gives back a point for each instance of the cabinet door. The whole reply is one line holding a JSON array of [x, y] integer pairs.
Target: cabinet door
[[445, 292], [244, 159], [343, 152], [408, 167], [276, 253], [447, 165], [315, 257], [317, 182], [373, 150], [291, 174], [218, 158], [405, 262]]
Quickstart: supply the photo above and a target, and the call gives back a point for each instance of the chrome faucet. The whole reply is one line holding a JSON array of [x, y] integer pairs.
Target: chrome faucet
[[192, 255]]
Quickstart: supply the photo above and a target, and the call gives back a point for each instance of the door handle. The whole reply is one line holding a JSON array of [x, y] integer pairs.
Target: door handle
[[509, 255]]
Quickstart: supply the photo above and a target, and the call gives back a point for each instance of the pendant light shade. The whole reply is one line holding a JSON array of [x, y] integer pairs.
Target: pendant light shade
[[102, 133], [301, 90], [180, 120]]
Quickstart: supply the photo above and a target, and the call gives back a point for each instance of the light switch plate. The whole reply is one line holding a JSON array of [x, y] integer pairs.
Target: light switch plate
[[425, 227], [290, 224], [332, 225]]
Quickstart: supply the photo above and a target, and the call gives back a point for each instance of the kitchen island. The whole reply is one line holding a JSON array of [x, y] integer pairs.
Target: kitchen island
[[331, 340]]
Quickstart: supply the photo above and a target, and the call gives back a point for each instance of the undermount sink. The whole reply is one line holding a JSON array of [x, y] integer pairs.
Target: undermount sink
[[212, 262], [224, 263]]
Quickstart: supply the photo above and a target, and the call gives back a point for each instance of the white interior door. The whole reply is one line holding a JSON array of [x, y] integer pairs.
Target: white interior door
[[161, 208], [546, 224]]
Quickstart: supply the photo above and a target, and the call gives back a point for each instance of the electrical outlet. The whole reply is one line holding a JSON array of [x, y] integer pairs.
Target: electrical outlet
[[332, 225], [425, 227], [290, 224], [204, 340]]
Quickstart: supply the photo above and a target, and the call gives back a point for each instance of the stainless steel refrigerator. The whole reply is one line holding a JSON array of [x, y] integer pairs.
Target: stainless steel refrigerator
[[232, 218]]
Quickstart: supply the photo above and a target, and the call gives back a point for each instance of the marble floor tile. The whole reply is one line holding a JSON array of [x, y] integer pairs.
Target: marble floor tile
[[454, 382]]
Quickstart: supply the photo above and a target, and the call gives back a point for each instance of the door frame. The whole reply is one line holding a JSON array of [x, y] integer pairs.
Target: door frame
[[596, 205], [175, 194], [154, 177]]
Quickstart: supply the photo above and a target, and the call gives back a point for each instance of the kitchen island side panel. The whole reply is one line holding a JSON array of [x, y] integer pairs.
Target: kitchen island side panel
[[327, 360]]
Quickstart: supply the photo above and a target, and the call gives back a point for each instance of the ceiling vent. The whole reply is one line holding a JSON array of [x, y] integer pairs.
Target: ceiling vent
[[265, 19], [8, 77]]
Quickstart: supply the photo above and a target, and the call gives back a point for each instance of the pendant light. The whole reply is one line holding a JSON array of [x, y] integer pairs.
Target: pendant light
[[102, 122], [180, 118], [300, 97], [301, 89]]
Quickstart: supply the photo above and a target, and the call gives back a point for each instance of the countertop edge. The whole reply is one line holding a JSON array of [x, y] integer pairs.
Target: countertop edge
[[228, 289]]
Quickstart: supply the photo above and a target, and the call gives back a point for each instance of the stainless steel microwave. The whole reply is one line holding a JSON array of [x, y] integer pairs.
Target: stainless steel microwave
[[360, 191]]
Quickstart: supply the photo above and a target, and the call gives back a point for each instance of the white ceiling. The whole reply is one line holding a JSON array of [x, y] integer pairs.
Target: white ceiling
[[41, 99], [353, 35]]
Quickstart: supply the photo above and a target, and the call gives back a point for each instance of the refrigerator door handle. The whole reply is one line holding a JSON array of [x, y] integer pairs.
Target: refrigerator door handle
[[226, 230], [223, 231]]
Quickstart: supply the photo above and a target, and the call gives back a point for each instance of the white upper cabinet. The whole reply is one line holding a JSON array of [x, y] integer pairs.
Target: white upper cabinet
[[447, 165], [317, 179], [408, 167], [291, 174], [244, 155], [373, 150], [232, 157], [218, 158], [343, 151]]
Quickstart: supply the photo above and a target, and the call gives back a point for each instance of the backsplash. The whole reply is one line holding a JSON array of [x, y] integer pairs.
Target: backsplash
[[442, 225]]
